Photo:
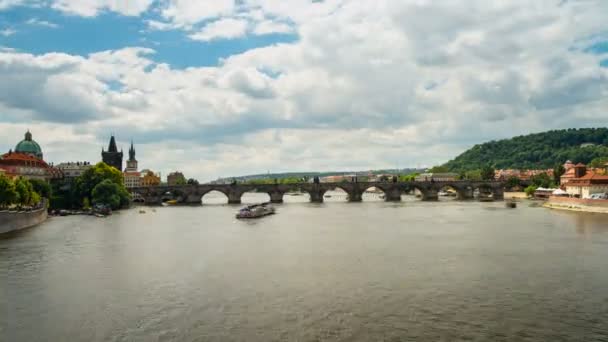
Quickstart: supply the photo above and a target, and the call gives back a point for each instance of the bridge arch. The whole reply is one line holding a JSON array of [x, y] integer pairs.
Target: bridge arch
[[214, 197], [255, 195], [336, 193], [484, 192], [374, 193]]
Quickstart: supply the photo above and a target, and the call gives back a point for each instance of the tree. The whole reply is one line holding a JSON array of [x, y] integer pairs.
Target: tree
[[439, 169], [107, 193], [474, 175], [599, 162], [530, 190], [558, 172], [8, 195], [192, 181], [542, 181], [487, 173], [512, 182], [24, 191], [94, 176], [43, 188]]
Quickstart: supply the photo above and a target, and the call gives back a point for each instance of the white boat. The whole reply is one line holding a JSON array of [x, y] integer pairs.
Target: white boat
[[255, 211]]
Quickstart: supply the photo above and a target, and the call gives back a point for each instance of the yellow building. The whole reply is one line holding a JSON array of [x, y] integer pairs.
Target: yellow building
[[150, 178]]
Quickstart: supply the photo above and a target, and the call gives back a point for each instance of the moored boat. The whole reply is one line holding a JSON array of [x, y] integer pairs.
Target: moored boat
[[255, 211]]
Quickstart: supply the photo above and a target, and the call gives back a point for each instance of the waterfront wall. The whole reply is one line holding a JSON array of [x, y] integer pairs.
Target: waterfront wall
[[577, 204], [11, 221]]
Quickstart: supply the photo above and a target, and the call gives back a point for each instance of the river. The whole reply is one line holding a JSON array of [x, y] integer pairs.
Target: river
[[371, 271]]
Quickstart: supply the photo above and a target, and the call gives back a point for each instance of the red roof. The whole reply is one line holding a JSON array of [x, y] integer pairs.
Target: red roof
[[17, 157], [580, 165]]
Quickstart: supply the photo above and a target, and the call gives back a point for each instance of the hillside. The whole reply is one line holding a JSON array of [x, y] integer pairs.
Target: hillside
[[536, 151]]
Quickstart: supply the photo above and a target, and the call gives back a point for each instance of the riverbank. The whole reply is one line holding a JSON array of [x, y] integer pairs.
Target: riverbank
[[16, 220], [577, 204]]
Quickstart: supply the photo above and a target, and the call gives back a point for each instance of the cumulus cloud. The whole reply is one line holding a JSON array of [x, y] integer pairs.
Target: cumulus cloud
[[188, 12], [221, 29], [401, 83], [91, 8]]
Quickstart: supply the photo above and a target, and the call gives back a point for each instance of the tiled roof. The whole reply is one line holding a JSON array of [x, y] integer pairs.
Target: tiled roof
[[22, 157]]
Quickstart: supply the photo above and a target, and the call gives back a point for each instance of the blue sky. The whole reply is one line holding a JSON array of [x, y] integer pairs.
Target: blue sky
[[235, 87], [78, 35]]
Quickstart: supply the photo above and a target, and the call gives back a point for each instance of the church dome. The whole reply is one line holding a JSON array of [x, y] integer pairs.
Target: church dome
[[29, 146]]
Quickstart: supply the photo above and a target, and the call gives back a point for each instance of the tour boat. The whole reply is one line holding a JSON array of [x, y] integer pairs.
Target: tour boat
[[255, 211], [170, 202]]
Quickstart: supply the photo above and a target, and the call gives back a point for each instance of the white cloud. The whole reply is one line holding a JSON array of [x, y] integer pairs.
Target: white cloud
[[7, 32], [38, 22], [91, 8], [269, 26], [155, 25], [188, 12], [408, 83], [221, 29]]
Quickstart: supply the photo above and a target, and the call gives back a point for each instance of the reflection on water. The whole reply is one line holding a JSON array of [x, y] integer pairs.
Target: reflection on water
[[372, 271]]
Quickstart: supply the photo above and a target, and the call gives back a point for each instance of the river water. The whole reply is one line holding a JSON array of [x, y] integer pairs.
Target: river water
[[372, 271]]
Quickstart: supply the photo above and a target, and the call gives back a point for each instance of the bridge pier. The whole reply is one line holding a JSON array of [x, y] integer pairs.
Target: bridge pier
[[276, 197], [393, 195], [430, 195], [234, 198], [316, 194], [194, 199], [499, 194], [355, 196]]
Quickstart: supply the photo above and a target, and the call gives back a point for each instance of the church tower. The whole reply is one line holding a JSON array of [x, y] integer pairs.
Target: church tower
[[132, 162], [112, 157]]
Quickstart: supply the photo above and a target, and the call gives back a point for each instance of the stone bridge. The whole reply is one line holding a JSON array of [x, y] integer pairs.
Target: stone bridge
[[193, 194]]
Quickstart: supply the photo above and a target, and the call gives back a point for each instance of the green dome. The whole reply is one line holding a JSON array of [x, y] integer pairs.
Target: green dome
[[29, 146]]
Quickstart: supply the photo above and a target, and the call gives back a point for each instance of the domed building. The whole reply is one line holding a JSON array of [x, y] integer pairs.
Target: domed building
[[26, 161], [29, 146]]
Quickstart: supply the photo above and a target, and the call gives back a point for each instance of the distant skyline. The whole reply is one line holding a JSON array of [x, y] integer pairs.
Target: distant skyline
[[222, 88]]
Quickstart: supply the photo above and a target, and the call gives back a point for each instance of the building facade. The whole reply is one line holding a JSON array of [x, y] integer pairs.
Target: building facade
[[131, 176], [150, 178], [26, 161], [73, 169], [176, 178], [587, 182], [112, 157], [437, 177]]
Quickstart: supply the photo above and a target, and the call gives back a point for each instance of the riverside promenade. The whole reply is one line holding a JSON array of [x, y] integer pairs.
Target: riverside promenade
[[577, 204], [15, 220]]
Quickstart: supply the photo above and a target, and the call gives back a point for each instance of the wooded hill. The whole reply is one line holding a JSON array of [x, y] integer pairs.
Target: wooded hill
[[535, 151]]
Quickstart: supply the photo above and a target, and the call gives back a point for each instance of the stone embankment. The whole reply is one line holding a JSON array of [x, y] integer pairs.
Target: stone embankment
[[577, 204], [13, 220]]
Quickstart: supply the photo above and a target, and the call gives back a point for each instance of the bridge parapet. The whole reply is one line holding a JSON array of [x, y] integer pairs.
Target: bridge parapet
[[192, 194]]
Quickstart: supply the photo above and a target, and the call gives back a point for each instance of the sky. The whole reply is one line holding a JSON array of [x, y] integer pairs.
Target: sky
[[218, 88]]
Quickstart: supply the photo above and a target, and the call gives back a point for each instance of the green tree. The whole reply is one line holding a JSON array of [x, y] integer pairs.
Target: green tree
[[192, 181], [487, 173], [512, 182], [599, 162], [558, 172], [8, 195], [439, 169], [94, 176], [42, 187], [530, 190], [474, 175], [107, 193], [542, 181], [24, 191]]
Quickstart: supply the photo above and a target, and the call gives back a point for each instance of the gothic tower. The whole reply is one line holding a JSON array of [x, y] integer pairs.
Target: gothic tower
[[132, 162], [112, 157]]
